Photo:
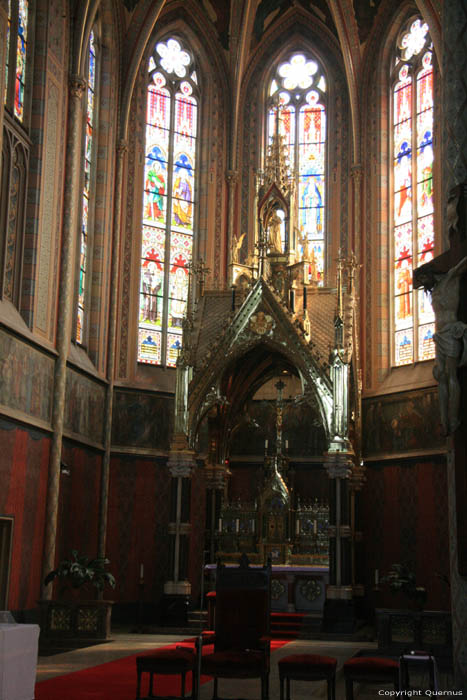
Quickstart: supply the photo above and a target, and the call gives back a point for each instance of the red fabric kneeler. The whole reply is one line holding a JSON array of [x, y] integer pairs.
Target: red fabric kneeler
[[369, 669], [307, 667], [369, 665], [304, 661], [166, 662]]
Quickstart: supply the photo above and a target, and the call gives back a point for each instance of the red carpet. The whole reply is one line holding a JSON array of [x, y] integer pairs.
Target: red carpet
[[115, 680]]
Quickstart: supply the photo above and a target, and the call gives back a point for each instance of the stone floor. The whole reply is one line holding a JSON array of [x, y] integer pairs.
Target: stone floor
[[124, 644]]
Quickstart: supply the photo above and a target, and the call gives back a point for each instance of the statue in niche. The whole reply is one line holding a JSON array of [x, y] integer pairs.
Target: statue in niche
[[237, 246], [450, 340], [274, 233], [313, 267], [303, 239]]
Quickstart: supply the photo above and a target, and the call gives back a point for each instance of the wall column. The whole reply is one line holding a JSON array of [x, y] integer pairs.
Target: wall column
[[232, 179], [3, 33], [65, 321], [454, 131], [115, 266]]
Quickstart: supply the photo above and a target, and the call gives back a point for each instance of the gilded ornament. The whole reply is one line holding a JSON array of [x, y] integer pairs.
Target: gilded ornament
[[261, 323]]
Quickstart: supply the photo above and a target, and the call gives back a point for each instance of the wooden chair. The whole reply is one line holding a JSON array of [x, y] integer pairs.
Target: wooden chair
[[241, 634]]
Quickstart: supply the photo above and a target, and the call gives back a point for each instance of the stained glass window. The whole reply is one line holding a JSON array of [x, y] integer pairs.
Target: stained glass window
[[168, 202], [412, 176], [86, 191], [16, 54], [297, 111]]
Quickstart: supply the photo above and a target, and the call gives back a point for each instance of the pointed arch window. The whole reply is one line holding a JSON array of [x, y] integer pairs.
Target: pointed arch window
[[89, 158], [297, 111], [15, 156], [16, 55], [412, 186], [169, 200]]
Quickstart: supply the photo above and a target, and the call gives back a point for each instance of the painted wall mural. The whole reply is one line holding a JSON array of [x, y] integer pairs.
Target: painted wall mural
[[142, 420], [26, 378], [400, 423], [84, 406]]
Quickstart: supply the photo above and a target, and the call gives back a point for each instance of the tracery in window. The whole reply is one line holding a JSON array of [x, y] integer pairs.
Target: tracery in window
[[412, 176], [168, 201], [297, 111], [89, 151], [16, 54]]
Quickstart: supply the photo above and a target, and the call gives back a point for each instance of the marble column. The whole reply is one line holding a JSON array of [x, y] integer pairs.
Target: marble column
[[454, 147], [356, 173], [65, 321], [177, 589], [111, 348], [216, 475], [339, 609], [356, 483]]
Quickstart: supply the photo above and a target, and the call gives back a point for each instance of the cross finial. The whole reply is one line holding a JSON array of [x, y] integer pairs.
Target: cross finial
[[200, 272]]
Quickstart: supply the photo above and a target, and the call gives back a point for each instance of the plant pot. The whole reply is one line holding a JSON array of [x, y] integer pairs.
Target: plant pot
[[75, 619]]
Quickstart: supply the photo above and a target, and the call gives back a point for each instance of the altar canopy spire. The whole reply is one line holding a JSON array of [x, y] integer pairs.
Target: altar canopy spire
[[276, 169]]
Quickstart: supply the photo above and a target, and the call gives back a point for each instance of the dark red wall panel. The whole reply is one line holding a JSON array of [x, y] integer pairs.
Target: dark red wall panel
[[405, 520], [24, 460], [78, 521], [138, 526]]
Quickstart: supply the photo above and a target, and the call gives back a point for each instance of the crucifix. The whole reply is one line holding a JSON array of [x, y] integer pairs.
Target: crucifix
[[445, 278], [200, 271]]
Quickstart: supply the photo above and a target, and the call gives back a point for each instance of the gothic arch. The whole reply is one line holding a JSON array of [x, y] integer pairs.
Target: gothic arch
[[210, 241], [241, 338], [323, 44], [376, 227]]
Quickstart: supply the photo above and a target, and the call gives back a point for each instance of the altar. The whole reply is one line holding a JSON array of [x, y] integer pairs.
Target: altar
[[293, 588]]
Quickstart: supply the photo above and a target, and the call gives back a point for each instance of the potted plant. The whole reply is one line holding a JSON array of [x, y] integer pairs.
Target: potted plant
[[80, 572], [69, 616], [401, 579], [408, 627]]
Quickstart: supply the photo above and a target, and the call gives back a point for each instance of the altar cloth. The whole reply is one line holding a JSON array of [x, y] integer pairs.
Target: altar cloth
[[18, 661]]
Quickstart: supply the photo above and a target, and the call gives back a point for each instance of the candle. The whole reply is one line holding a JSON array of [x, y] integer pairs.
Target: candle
[[376, 577], [286, 444], [141, 571], [237, 525], [220, 524], [297, 527], [315, 527], [266, 443]]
